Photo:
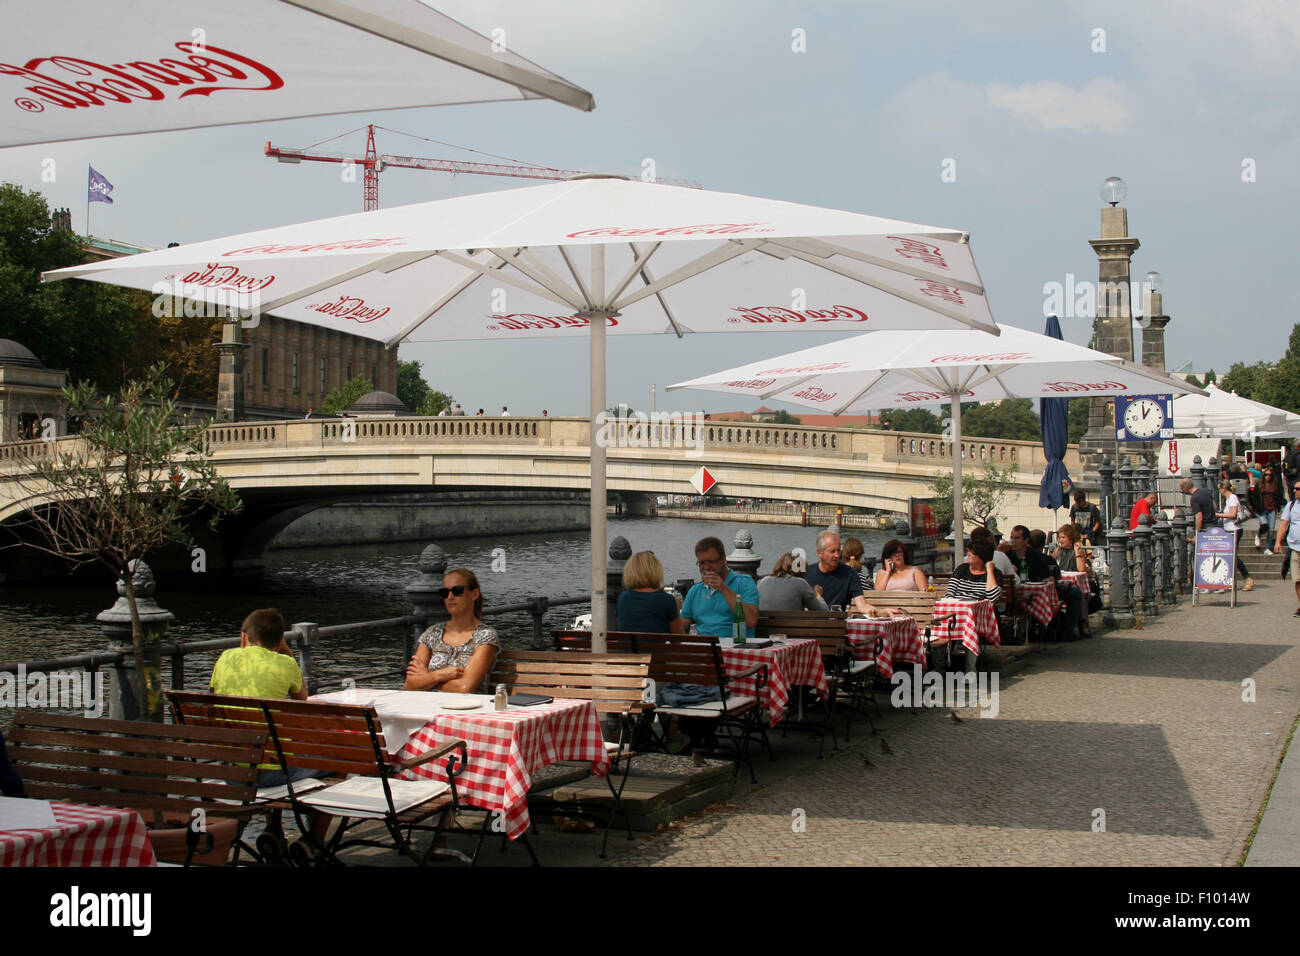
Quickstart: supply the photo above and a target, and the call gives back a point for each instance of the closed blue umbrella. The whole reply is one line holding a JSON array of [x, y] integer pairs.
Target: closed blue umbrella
[[1054, 414]]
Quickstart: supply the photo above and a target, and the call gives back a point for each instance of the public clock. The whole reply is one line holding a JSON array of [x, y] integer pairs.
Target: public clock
[[1143, 417], [1215, 570]]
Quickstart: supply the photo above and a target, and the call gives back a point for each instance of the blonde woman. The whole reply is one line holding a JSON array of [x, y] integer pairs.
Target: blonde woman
[[644, 606]]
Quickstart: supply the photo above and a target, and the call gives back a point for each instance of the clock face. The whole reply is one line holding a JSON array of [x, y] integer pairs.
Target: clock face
[[1144, 418], [1215, 569]]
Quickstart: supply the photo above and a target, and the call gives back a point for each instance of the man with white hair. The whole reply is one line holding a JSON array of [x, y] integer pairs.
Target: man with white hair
[[835, 583]]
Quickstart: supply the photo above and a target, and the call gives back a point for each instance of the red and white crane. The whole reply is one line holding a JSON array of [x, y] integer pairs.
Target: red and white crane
[[372, 164]]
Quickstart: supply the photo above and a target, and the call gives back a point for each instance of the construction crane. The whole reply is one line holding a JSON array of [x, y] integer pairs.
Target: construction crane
[[372, 164]]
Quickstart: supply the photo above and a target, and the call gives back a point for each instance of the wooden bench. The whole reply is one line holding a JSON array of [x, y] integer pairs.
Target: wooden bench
[[335, 739], [194, 786], [692, 659], [614, 683]]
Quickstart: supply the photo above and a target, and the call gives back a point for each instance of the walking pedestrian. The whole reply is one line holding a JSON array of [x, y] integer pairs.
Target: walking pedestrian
[[1231, 508]]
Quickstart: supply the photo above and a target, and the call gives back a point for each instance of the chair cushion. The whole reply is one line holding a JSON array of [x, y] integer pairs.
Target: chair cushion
[[712, 708]]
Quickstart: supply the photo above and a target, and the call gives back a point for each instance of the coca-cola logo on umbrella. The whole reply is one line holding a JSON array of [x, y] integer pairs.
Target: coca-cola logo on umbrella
[[941, 291], [916, 249], [752, 383], [218, 276], [994, 357], [780, 315], [351, 307], [519, 321], [277, 248], [704, 229], [918, 396], [798, 369], [814, 394], [1084, 386], [206, 70]]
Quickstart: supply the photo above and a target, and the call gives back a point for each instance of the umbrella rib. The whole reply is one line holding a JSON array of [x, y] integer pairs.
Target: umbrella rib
[[929, 306], [577, 276], [862, 391], [423, 316], [729, 250], [638, 267], [648, 279], [386, 264], [809, 247], [498, 272], [542, 270]]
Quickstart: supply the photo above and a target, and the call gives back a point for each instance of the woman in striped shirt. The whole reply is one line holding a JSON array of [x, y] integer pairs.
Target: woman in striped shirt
[[977, 579]]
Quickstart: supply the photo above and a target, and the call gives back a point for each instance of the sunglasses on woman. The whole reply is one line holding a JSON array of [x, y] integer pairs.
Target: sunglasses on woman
[[457, 590]]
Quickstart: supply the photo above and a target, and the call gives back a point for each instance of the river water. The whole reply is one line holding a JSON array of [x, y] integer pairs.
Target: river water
[[336, 585]]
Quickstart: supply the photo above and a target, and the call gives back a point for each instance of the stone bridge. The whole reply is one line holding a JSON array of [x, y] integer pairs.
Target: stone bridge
[[285, 469]]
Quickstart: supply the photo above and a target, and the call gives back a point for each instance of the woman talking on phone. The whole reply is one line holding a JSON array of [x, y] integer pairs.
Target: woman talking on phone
[[896, 574]]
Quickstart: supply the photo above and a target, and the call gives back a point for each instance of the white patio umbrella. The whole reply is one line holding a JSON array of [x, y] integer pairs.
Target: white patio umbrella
[[581, 257], [82, 68], [1221, 414], [930, 368]]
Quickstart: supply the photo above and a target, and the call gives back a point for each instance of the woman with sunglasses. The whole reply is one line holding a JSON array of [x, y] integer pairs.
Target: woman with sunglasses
[[455, 656]]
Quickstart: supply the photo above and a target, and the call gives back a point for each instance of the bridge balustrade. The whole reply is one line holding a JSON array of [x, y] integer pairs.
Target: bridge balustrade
[[26, 450]]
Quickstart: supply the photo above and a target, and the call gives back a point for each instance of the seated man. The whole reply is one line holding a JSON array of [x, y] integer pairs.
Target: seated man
[[1000, 559], [835, 583]]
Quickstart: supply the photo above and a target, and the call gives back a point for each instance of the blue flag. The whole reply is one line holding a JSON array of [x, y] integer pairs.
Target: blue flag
[[98, 189]]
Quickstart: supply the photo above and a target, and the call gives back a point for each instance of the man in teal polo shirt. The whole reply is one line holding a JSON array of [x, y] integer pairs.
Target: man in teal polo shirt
[[711, 604]]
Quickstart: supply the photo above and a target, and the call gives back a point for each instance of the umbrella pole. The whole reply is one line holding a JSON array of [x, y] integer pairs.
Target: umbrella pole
[[596, 321], [958, 521]]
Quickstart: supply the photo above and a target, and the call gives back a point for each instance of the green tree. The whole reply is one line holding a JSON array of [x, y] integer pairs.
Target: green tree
[[982, 494], [1210, 377], [1249, 381], [783, 417], [1077, 419], [1012, 419], [912, 420], [415, 392], [124, 487], [341, 398], [1282, 385], [1195, 382]]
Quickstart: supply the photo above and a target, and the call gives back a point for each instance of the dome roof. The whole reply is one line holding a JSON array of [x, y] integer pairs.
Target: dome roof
[[15, 353], [378, 403]]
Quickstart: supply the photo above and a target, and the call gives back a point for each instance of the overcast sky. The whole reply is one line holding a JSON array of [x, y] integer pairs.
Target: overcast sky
[[1188, 101]]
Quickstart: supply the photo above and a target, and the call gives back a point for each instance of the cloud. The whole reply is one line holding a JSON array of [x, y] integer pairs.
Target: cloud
[[1103, 106]]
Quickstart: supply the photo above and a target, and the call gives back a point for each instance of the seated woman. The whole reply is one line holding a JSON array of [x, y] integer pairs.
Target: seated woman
[[896, 574], [644, 606], [1069, 556], [456, 655], [784, 590], [977, 579]]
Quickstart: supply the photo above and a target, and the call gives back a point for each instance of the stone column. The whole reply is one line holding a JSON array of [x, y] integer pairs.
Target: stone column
[[1112, 328], [1144, 591], [154, 622], [619, 552], [230, 375], [422, 592], [1178, 549], [1164, 561], [1120, 611], [743, 559]]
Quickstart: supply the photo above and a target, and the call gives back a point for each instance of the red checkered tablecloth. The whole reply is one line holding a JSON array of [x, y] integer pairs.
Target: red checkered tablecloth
[[795, 663], [85, 836], [1078, 578], [903, 641], [1040, 598], [506, 748], [975, 620]]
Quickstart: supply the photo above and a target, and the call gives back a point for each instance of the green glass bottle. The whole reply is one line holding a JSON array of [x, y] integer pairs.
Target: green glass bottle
[[738, 619]]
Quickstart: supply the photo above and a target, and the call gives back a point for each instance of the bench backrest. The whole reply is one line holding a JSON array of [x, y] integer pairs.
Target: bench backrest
[[674, 658], [339, 738], [163, 771], [917, 604], [824, 627], [615, 683]]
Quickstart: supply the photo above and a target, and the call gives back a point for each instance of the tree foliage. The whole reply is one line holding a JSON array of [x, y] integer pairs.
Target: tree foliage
[[1076, 422], [415, 392], [342, 398], [982, 494], [124, 487], [1011, 419], [912, 420], [783, 417], [1273, 383], [98, 332]]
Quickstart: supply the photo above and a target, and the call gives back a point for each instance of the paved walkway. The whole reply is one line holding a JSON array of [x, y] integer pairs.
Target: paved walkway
[[1138, 747]]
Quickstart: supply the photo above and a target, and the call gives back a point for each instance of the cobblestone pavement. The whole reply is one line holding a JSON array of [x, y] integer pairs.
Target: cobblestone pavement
[[1146, 727]]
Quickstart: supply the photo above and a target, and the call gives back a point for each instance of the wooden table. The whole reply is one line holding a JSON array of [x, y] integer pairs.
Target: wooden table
[[505, 747], [82, 836]]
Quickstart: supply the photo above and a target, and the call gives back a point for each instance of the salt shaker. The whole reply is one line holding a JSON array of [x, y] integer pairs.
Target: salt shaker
[[502, 699]]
